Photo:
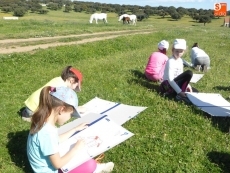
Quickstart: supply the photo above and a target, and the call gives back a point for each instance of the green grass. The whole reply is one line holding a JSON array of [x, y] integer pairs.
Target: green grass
[[169, 136]]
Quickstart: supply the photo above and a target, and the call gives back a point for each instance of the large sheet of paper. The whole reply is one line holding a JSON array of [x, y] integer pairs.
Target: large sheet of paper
[[118, 112], [196, 78], [213, 104], [89, 118], [99, 137]]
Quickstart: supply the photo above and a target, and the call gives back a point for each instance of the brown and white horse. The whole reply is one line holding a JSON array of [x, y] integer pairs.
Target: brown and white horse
[[126, 20], [133, 18]]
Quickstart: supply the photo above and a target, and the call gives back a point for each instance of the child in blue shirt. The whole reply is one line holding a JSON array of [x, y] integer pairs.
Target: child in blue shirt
[[56, 105]]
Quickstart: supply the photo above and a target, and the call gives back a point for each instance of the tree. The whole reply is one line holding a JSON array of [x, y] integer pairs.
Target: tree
[[171, 10], [35, 7], [141, 16], [20, 11], [196, 17], [6, 9], [77, 8], [67, 8], [43, 11], [175, 15], [162, 13], [204, 19], [182, 11], [52, 6]]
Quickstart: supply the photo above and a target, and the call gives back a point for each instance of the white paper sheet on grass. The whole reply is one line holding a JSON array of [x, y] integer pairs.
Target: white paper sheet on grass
[[213, 104], [89, 118], [118, 112], [196, 78], [99, 137]]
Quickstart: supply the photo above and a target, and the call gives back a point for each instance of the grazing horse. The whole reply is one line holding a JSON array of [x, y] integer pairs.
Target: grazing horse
[[132, 17], [98, 16], [121, 17], [126, 20]]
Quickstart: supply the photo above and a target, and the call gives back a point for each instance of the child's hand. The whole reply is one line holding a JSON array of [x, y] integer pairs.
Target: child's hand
[[189, 88], [81, 109], [81, 126], [182, 94]]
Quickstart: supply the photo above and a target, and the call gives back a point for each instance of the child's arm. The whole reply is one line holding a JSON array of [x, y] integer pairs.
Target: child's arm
[[69, 133], [58, 162]]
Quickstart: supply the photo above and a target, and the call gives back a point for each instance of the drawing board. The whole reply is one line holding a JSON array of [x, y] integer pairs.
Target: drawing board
[[196, 78], [118, 112], [213, 104], [99, 137]]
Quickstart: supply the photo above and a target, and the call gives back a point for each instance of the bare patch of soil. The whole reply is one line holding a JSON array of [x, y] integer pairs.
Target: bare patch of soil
[[31, 44]]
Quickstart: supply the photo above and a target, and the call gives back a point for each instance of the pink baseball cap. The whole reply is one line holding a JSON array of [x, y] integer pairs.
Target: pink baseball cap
[[79, 76]]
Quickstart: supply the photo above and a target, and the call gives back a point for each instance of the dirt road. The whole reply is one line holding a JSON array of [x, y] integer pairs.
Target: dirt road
[[32, 44]]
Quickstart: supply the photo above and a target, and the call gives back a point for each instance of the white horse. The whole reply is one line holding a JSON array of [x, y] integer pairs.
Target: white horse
[[98, 16], [132, 17], [121, 17]]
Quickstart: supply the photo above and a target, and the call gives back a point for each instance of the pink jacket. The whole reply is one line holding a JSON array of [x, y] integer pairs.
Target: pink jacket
[[156, 64]]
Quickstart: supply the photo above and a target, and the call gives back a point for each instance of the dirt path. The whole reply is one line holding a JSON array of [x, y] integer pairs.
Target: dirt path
[[31, 44]]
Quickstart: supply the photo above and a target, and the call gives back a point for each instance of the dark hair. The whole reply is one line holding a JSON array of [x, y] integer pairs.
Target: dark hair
[[164, 50], [67, 73], [47, 103], [195, 45]]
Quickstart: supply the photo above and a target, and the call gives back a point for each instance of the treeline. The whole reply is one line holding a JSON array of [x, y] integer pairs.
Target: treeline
[[20, 7]]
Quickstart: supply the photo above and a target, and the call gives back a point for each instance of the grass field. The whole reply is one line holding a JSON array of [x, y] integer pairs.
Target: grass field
[[169, 136]]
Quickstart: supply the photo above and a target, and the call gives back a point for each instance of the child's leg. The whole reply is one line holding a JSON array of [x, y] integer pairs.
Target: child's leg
[[87, 167], [183, 79]]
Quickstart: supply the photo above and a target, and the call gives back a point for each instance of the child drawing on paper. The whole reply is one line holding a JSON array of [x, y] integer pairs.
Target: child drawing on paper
[[56, 105], [70, 77]]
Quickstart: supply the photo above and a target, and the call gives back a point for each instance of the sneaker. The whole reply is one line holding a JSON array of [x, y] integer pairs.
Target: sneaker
[[104, 167], [28, 119], [25, 116], [198, 68], [185, 99], [205, 68]]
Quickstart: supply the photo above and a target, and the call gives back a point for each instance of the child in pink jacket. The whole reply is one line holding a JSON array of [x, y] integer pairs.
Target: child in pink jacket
[[154, 70]]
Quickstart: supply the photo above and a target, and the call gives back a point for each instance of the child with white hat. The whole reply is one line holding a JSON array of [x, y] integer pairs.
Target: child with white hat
[[156, 64], [174, 79]]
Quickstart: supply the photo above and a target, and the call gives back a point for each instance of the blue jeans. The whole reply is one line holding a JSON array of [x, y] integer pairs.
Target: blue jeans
[[27, 112], [203, 61]]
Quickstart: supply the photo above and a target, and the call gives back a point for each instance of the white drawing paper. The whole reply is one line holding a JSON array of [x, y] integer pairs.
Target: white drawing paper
[[118, 112], [213, 104], [89, 118], [99, 137], [196, 78]]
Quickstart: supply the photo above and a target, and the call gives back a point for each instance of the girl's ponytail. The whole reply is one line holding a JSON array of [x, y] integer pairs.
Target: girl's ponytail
[[43, 111]]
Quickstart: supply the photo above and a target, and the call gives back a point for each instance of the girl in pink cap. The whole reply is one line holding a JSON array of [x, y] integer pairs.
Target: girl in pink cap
[[70, 77]]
